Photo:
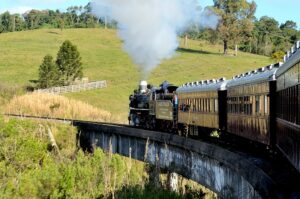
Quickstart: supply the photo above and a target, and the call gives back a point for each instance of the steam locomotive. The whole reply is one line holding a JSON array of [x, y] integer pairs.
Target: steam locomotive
[[262, 106]]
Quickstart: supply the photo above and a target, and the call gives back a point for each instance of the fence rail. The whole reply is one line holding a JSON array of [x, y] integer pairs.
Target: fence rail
[[74, 88]]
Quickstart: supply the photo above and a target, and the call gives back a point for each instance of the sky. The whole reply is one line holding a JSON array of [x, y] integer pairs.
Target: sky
[[281, 10]]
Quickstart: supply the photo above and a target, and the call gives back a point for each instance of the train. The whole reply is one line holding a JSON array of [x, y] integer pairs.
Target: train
[[261, 106]]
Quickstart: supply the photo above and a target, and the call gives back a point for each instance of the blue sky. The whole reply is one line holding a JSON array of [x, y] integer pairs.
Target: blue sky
[[281, 10]]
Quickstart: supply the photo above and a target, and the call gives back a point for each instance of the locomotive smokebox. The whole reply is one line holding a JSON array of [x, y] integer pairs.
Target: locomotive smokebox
[[143, 86]]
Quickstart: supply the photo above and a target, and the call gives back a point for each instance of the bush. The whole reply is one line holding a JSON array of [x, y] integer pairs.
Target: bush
[[278, 56]]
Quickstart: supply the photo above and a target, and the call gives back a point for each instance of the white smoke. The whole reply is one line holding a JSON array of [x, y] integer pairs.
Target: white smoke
[[209, 19], [149, 28]]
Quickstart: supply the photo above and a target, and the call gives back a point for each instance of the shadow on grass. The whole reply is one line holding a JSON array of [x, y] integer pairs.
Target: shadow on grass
[[52, 32], [187, 50]]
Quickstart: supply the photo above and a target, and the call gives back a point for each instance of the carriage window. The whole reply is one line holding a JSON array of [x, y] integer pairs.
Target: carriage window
[[216, 105], [236, 105], [208, 105], [241, 104], [266, 104], [247, 105], [194, 105], [257, 105]]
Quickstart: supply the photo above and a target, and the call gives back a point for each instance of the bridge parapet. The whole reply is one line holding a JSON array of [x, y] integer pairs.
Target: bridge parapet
[[229, 174]]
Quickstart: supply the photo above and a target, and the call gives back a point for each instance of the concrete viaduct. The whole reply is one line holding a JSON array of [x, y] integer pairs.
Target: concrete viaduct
[[229, 174]]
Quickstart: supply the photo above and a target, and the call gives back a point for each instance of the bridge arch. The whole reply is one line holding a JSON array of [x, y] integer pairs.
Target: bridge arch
[[230, 175]]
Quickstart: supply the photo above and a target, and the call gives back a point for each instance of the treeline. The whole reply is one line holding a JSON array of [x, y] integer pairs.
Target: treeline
[[238, 27], [268, 37], [74, 17]]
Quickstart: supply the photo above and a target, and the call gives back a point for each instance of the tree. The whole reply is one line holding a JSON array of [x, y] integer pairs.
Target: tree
[[236, 20], [289, 24], [289, 32], [48, 73], [268, 34], [61, 23], [6, 22], [69, 63]]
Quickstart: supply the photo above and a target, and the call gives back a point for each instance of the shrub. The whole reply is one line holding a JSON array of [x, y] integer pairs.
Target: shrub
[[278, 56]]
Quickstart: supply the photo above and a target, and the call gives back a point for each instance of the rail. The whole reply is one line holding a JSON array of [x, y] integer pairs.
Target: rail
[[74, 88]]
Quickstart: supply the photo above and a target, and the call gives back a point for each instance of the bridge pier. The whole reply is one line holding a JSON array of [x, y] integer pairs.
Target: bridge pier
[[228, 174]]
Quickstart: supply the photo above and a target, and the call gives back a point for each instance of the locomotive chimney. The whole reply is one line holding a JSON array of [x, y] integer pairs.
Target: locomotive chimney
[[143, 86]]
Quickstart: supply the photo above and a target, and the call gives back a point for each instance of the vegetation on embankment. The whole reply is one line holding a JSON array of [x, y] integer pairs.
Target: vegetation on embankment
[[21, 53], [55, 106], [31, 168]]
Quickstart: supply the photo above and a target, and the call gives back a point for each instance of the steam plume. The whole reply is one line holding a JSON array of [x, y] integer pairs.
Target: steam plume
[[149, 28]]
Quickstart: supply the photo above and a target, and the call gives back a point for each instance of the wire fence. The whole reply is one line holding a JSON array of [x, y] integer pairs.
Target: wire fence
[[74, 88]]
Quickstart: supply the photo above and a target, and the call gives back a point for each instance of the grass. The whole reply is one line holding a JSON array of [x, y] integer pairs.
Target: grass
[[55, 106], [21, 53]]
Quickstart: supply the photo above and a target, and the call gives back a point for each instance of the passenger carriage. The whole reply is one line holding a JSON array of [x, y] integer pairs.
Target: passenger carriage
[[250, 97], [200, 106], [288, 106]]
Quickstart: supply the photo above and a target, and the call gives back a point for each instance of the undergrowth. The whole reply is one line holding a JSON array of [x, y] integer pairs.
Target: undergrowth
[[31, 168]]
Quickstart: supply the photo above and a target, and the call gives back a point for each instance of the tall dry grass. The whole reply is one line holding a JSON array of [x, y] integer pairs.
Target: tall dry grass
[[49, 105]]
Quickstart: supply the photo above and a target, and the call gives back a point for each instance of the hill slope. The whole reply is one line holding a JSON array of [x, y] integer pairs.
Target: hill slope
[[21, 53]]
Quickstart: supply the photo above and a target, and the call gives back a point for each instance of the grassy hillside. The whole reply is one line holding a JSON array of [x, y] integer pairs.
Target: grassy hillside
[[103, 58]]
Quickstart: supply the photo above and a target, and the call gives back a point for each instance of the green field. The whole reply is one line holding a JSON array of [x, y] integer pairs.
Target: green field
[[21, 53]]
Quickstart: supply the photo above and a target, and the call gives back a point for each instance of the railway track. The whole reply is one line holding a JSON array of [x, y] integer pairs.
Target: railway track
[[63, 120]]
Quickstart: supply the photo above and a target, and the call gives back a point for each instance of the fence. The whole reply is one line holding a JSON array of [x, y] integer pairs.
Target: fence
[[74, 88]]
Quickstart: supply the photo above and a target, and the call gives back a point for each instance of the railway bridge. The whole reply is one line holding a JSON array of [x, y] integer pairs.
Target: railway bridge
[[229, 173]]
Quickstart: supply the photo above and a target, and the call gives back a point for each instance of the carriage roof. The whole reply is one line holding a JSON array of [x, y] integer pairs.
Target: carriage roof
[[260, 75], [204, 85], [291, 58]]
